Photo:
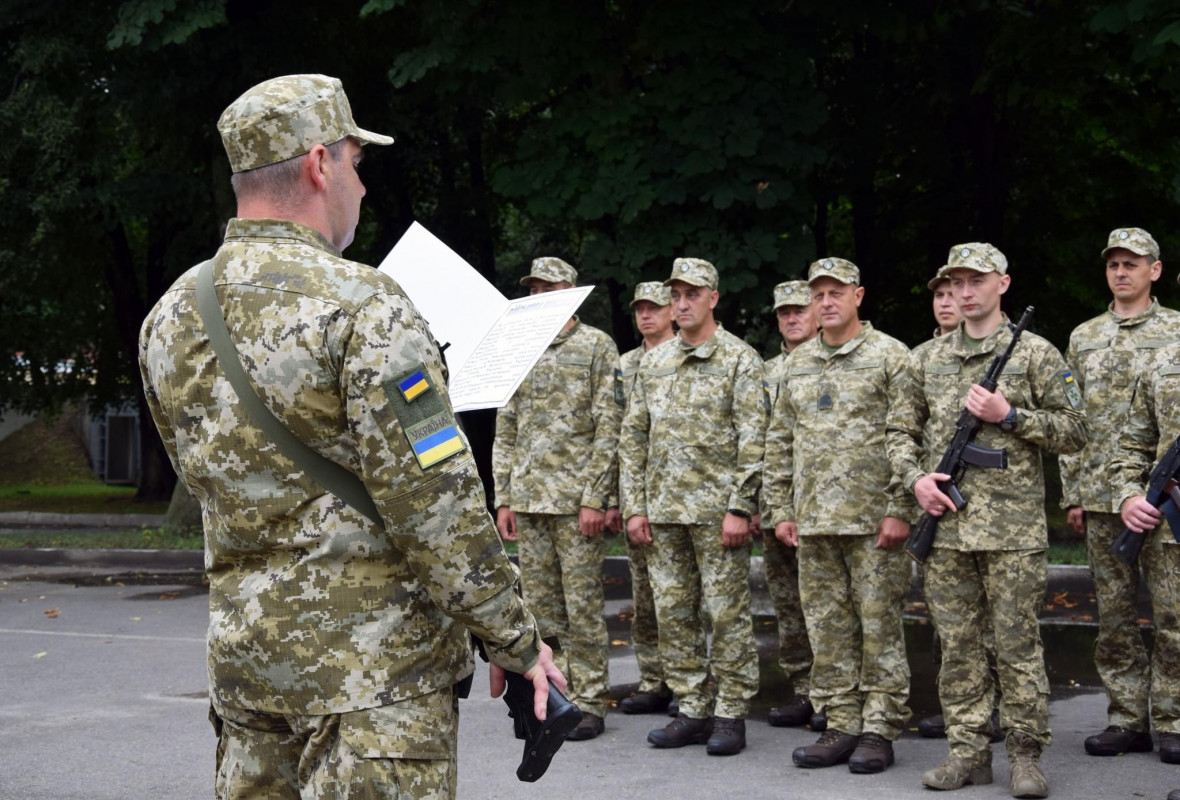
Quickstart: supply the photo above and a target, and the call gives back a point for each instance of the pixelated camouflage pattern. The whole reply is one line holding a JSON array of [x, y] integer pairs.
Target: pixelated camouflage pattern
[[938, 278], [842, 428], [693, 573], [919, 352], [693, 271], [652, 292], [1011, 511], [962, 590], [979, 256], [792, 293], [285, 117], [313, 608], [1137, 240], [555, 442], [691, 443], [549, 268], [838, 268], [853, 595], [405, 749], [1152, 425], [1107, 354]]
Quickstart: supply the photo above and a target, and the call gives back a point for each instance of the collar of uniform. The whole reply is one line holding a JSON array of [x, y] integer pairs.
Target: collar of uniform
[[783, 349], [847, 347], [282, 230], [994, 339], [1127, 322], [561, 337], [702, 350]]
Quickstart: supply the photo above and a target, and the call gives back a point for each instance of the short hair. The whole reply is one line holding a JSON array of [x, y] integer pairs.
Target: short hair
[[277, 182]]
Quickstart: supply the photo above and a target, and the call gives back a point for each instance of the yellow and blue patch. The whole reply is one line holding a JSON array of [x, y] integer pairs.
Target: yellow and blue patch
[[1072, 393], [413, 385], [437, 446], [425, 417]]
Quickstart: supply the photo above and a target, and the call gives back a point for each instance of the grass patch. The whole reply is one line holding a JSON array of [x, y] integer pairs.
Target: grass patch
[[1068, 553], [81, 497], [132, 539]]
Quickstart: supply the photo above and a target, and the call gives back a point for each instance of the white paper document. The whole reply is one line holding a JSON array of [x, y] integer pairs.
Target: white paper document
[[492, 342]]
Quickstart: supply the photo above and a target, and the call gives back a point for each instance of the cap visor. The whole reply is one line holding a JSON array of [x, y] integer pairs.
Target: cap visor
[[368, 137]]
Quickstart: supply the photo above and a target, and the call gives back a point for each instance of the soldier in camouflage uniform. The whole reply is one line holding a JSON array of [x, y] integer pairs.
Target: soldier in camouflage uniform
[[690, 454], [989, 558], [335, 646], [946, 311], [1150, 427], [1107, 355], [653, 318], [553, 460], [796, 325], [840, 431]]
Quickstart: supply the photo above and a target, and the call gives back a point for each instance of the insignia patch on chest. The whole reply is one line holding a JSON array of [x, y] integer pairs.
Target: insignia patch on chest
[[620, 396], [825, 402], [766, 395], [1072, 393], [426, 421]]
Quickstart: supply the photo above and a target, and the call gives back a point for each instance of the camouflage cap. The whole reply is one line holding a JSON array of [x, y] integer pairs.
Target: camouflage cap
[[652, 292], [792, 293], [938, 278], [838, 268], [1137, 240], [693, 271], [552, 269], [979, 256], [285, 117]]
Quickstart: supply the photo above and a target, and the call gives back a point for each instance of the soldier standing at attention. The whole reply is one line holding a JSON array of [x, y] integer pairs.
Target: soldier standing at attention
[[796, 325], [690, 460], [329, 636], [1149, 429], [1107, 355], [946, 311], [989, 558], [553, 460], [653, 318], [841, 429]]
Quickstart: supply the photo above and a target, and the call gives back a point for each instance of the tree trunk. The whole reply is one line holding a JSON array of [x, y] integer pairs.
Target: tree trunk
[[184, 512]]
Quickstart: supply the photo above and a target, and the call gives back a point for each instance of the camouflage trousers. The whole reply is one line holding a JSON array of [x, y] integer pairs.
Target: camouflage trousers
[[963, 589], [393, 752], [782, 579], [1160, 558], [853, 596], [688, 565], [561, 575], [1120, 655], [645, 632]]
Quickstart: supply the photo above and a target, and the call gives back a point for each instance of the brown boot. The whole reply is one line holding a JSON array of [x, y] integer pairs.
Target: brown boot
[[795, 712], [873, 753], [645, 702], [1024, 753], [1114, 741], [589, 728], [958, 771], [682, 731], [729, 737], [832, 748]]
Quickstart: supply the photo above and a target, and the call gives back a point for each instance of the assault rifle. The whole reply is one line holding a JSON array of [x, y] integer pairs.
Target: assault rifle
[[963, 451], [1163, 492]]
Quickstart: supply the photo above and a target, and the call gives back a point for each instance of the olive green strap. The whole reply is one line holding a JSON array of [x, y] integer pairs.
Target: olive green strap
[[328, 474]]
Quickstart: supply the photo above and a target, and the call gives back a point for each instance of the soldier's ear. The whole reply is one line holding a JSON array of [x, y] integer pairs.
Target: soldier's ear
[[316, 164], [1005, 279]]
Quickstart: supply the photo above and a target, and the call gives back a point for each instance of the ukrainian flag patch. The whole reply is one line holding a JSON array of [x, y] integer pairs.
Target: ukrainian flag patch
[[432, 446], [413, 385], [1072, 393]]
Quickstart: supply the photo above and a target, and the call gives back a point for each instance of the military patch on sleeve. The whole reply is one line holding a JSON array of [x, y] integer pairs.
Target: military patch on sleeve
[[1072, 393], [620, 396], [426, 421]]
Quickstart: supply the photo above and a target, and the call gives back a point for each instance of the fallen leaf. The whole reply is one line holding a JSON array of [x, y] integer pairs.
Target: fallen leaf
[[42, 654], [619, 642], [169, 595], [52, 613], [137, 619]]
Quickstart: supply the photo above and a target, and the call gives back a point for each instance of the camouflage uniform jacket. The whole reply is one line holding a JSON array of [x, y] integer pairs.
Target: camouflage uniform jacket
[[555, 440], [1149, 429], [1107, 355], [842, 427], [1008, 509], [772, 370], [918, 352], [313, 608], [691, 443]]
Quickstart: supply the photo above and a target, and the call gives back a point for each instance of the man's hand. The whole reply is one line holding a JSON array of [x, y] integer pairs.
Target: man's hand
[[540, 674], [756, 525], [930, 497], [591, 521], [1140, 515], [988, 406], [614, 520], [735, 530], [1075, 518], [787, 533], [892, 532], [638, 530], [506, 523]]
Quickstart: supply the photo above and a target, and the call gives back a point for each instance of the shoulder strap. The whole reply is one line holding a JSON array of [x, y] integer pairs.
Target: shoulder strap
[[328, 474]]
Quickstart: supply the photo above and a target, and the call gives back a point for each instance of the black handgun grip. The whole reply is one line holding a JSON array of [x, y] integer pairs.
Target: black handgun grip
[[921, 538], [542, 740], [1127, 546]]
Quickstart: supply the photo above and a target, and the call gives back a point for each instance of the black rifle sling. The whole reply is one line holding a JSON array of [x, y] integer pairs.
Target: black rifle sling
[[328, 474]]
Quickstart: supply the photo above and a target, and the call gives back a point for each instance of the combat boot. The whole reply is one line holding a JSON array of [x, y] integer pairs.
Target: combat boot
[[833, 747], [873, 753], [797, 711], [819, 722], [646, 702], [589, 728], [682, 731], [1174, 794], [1114, 741], [1170, 748], [729, 737], [1023, 754], [957, 771]]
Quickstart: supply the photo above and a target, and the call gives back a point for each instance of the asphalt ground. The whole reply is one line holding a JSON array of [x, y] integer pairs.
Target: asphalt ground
[[102, 673]]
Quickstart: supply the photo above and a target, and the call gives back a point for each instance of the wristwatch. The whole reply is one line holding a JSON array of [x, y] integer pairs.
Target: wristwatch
[[737, 512], [1008, 424]]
